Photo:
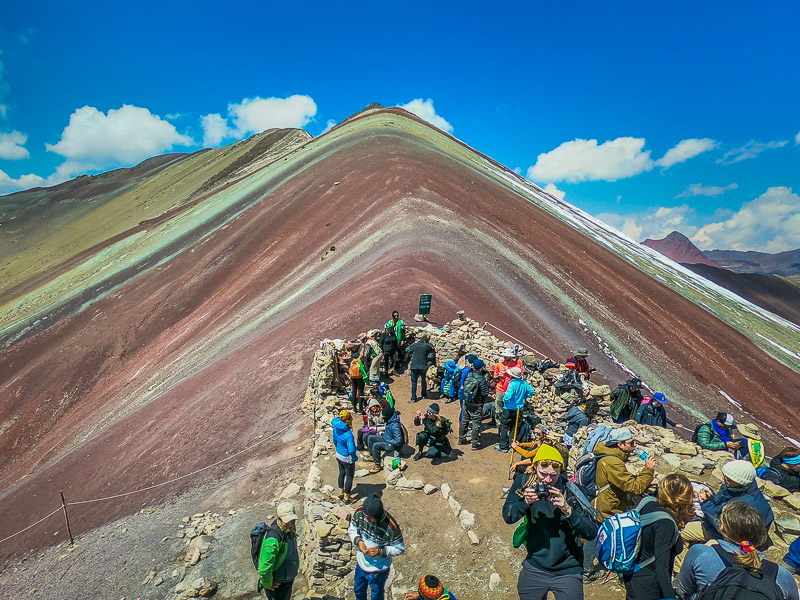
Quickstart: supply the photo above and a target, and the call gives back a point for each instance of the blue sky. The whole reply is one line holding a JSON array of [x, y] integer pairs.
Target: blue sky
[[652, 116]]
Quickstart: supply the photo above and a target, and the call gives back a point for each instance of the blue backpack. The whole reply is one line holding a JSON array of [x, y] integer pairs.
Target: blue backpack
[[449, 381], [619, 538]]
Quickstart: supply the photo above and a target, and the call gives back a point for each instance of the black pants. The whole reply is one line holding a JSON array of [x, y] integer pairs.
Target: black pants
[[434, 450], [346, 472], [507, 421], [472, 414], [419, 374], [357, 394], [282, 592]]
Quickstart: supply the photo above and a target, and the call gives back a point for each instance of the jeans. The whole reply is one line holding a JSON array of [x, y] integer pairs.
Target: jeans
[[282, 592], [472, 414], [377, 445], [376, 582], [534, 583], [415, 375], [346, 472]]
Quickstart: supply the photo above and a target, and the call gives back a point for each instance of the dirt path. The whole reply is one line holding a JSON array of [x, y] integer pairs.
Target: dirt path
[[435, 541]]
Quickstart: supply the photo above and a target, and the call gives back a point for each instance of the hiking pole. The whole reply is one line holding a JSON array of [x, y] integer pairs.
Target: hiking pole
[[514, 439]]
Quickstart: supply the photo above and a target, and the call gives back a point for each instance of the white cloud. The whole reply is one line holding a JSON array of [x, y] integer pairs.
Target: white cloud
[[585, 160], [125, 136], [518, 170], [554, 191], [750, 150], [254, 115], [684, 150], [12, 145], [698, 189], [9, 184], [655, 223], [329, 125], [797, 138], [425, 111], [770, 223]]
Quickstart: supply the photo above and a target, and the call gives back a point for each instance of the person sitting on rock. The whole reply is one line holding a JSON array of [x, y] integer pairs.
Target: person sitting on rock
[[739, 484], [625, 400], [654, 412], [581, 364], [392, 439], [434, 433], [430, 587], [752, 448], [743, 531], [373, 423], [513, 403], [555, 526], [716, 434], [784, 469]]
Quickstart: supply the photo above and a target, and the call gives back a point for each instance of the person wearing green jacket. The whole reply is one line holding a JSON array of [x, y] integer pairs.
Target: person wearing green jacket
[[626, 399], [398, 328], [279, 561]]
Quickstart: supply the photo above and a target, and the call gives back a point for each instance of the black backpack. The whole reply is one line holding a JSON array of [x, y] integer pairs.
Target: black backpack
[[737, 583], [257, 536], [570, 380], [471, 387]]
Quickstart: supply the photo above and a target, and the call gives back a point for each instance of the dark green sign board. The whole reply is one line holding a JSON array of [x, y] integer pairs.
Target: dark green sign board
[[425, 304]]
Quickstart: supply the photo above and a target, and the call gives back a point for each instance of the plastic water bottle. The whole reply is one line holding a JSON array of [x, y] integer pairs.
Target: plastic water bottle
[[643, 455]]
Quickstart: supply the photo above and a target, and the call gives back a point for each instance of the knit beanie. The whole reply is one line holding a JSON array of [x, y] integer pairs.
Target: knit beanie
[[373, 507], [471, 358], [547, 452], [434, 408], [740, 471], [478, 364], [570, 363], [346, 416], [430, 587], [387, 412]]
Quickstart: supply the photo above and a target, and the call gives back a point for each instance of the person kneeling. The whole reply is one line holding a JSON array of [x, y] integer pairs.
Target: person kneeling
[[555, 523], [434, 433]]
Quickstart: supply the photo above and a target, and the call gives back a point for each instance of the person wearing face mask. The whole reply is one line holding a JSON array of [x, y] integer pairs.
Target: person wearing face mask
[[555, 525]]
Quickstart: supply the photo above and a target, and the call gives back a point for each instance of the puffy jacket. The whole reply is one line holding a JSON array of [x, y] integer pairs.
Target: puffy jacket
[[749, 494], [483, 388], [393, 434], [624, 402], [649, 415], [782, 476], [399, 329], [708, 438], [576, 419], [343, 441], [515, 394], [611, 472]]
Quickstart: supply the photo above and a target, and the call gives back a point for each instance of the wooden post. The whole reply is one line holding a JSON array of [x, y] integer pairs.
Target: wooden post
[[66, 518], [514, 439]]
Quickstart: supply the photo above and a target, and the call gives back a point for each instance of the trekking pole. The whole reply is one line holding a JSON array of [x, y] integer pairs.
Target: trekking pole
[[514, 439]]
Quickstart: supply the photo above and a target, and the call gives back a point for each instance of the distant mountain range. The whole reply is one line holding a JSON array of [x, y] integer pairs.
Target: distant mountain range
[[771, 281]]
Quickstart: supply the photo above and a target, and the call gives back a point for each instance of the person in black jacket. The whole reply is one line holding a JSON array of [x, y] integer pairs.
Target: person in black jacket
[[433, 434], [422, 354], [556, 523], [784, 469], [388, 343], [661, 541], [655, 412], [472, 411]]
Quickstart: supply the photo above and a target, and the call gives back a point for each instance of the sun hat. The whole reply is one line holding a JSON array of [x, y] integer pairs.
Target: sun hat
[[581, 352], [286, 512], [430, 587], [478, 364], [740, 471], [620, 434], [508, 353], [515, 372], [659, 397], [750, 431], [547, 452], [433, 408]]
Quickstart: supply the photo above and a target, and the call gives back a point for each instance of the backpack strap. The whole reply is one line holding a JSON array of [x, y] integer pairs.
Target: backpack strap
[[654, 517]]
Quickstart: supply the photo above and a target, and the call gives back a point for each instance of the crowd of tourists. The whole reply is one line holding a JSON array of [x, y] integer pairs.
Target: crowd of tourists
[[665, 539]]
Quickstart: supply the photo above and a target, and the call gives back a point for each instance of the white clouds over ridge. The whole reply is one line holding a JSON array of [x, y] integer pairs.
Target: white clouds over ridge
[[750, 150], [12, 145], [424, 110], [254, 115], [585, 160]]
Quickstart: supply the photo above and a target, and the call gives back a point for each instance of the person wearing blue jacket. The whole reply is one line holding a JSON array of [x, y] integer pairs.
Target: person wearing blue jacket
[[391, 440], [346, 455], [513, 402]]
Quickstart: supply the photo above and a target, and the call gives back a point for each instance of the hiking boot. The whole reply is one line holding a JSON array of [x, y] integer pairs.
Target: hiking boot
[[376, 469], [418, 456], [462, 442], [450, 401], [592, 576], [499, 448], [476, 447], [366, 457]]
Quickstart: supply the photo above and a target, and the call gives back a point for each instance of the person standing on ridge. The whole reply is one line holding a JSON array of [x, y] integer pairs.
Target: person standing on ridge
[[377, 538], [358, 375], [474, 396], [502, 378], [422, 354], [626, 399], [279, 562], [398, 328], [513, 403], [389, 346]]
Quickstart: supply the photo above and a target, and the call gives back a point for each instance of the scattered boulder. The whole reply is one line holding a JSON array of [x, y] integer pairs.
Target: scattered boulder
[[290, 491], [454, 506], [467, 519], [445, 489], [429, 489], [494, 581]]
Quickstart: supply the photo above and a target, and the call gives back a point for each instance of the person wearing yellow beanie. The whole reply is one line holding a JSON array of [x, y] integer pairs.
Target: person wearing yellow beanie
[[553, 524]]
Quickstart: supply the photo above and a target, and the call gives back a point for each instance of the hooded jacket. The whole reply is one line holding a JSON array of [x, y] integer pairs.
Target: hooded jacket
[[611, 472], [553, 540], [344, 442], [624, 402], [393, 434], [780, 475], [576, 419], [650, 415], [750, 494]]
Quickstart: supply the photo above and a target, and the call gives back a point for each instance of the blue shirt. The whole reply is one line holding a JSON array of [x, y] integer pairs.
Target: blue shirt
[[518, 390]]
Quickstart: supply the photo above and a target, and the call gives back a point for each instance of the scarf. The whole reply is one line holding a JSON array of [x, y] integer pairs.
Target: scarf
[[724, 435]]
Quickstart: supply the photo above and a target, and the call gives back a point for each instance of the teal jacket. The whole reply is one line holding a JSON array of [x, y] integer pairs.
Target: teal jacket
[[708, 438]]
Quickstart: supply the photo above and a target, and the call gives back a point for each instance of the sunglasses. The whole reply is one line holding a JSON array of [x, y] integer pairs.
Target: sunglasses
[[549, 464]]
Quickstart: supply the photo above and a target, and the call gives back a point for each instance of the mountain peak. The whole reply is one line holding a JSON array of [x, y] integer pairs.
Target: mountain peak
[[679, 248]]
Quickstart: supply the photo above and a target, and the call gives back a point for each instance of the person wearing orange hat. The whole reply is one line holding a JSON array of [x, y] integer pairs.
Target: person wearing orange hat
[[554, 523], [430, 588], [346, 455]]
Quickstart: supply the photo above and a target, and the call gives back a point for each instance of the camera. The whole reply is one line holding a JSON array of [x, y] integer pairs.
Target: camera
[[542, 490]]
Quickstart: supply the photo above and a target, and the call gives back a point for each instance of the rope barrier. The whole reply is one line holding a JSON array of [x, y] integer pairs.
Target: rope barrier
[[150, 487], [515, 339]]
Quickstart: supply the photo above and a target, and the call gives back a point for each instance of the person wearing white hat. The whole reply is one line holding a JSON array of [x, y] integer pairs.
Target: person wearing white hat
[[279, 561], [500, 373], [513, 403]]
